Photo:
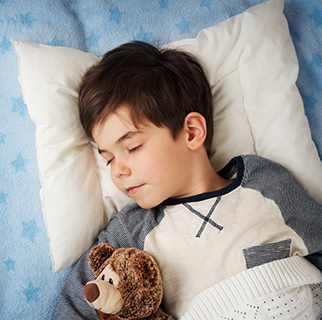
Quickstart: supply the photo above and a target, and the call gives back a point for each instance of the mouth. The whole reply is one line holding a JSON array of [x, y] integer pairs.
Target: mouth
[[132, 190]]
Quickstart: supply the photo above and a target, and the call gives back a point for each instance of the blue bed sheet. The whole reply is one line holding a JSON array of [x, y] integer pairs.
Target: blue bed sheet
[[29, 289]]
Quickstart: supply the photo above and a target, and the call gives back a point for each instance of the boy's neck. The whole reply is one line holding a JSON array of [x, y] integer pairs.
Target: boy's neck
[[211, 180], [204, 178]]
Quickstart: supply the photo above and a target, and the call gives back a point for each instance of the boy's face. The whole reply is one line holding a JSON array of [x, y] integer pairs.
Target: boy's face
[[147, 164]]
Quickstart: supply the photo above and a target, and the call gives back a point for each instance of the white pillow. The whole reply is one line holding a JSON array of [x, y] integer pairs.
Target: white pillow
[[252, 68]]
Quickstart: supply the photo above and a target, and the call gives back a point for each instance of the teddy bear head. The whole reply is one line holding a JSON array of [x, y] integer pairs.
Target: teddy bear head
[[127, 283]]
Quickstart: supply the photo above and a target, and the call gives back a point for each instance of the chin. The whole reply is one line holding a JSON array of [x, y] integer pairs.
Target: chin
[[147, 205]]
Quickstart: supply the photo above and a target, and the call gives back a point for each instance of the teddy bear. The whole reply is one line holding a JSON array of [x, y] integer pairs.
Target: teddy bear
[[127, 284]]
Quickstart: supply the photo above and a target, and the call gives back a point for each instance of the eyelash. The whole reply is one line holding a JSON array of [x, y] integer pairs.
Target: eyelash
[[134, 149], [128, 151], [108, 162]]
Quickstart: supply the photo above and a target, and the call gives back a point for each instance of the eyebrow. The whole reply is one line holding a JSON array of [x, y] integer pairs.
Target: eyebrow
[[127, 135]]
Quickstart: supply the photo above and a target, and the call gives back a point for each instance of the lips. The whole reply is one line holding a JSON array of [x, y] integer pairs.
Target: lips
[[132, 190]]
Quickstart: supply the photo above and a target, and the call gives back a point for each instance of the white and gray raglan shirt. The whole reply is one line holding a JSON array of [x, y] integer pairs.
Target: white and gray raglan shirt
[[262, 216]]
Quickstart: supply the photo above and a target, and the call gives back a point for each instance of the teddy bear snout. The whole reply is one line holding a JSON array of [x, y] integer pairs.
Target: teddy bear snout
[[91, 292]]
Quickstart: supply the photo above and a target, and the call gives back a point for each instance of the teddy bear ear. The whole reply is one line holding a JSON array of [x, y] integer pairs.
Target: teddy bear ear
[[147, 270], [99, 254]]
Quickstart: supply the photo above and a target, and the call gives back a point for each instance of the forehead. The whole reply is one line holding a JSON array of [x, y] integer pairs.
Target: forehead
[[113, 124], [118, 127]]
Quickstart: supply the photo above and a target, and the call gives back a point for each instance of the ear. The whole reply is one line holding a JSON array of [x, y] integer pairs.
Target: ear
[[99, 254], [196, 129], [146, 270]]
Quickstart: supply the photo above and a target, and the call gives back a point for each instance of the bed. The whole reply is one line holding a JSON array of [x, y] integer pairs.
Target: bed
[[33, 262]]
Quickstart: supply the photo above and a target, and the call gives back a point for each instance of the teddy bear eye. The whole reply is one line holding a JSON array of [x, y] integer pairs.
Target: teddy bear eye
[[110, 281], [103, 277]]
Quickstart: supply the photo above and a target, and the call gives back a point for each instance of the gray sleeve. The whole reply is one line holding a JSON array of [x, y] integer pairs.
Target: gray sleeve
[[126, 229], [299, 210], [72, 304]]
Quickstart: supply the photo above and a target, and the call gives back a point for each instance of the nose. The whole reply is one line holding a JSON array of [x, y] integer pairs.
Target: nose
[[91, 292], [120, 169]]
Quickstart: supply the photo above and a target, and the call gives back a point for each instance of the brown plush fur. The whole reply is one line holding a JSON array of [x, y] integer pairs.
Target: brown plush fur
[[98, 256], [140, 281]]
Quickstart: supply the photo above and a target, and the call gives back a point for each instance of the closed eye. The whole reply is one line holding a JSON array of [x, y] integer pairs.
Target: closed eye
[[108, 162], [134, 149]]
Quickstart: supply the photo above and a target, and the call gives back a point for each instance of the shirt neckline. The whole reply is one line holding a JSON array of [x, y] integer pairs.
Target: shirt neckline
[[234, 166]]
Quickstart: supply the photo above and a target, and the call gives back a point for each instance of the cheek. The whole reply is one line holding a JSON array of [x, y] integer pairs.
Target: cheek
[[166, 163], [150, 166]]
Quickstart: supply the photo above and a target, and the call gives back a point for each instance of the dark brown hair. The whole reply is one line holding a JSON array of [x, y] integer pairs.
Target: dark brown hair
[[161, 86]]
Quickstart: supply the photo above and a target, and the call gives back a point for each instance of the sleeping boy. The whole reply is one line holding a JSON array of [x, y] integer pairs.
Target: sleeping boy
[[150, 113]]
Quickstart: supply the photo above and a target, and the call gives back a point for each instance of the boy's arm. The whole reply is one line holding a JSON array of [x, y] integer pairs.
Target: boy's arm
[[304, 215], [299, 210], [72, 304]]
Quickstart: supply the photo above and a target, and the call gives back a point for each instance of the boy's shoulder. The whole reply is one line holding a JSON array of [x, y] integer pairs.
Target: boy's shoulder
[[277, 183], [255, 162], [269, 178], [265, 172], [130, 226], [253, 169]]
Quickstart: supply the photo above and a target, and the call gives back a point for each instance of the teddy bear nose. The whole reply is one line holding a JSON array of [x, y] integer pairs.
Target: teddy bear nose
[[91, 292]]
